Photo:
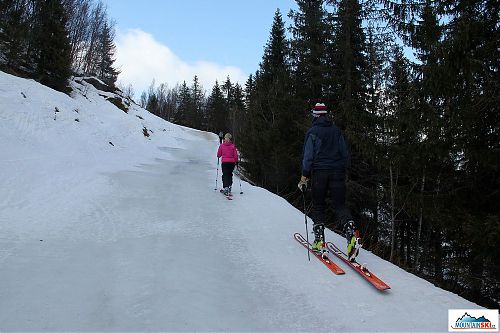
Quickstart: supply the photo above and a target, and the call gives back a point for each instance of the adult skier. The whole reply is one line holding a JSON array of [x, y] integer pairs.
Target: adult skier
[[324, 162], [229, 155]]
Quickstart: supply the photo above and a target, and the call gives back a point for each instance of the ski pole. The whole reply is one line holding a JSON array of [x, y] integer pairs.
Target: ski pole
[[305, 219], [217, 177], [239, 177]]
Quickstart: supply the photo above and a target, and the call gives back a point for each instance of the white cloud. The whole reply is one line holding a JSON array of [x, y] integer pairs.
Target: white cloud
[[141, 59]]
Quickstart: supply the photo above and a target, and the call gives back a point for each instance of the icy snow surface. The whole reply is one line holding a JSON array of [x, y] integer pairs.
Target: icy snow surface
[[133, 237]]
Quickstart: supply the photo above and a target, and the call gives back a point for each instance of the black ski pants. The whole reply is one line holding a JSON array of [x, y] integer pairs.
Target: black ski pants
[[333, 183], [227, 173]]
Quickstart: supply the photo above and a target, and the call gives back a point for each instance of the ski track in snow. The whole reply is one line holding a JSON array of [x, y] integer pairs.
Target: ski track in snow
[[133, 237]]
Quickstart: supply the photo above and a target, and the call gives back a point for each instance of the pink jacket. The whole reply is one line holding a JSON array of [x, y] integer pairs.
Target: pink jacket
[[228, 152]]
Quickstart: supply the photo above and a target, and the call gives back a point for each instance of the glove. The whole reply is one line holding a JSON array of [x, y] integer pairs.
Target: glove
[[303, 183]]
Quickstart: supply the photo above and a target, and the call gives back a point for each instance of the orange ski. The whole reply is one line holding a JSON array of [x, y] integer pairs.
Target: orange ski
[[363, 271], [328, 263]]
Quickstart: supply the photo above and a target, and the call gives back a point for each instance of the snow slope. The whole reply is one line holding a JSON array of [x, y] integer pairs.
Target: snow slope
[[131, 236]]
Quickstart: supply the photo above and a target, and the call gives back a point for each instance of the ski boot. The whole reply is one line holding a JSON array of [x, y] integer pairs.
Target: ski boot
[[353, 238], [319, 244]]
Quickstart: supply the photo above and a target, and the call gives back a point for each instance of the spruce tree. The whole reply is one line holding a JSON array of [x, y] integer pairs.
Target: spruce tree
[[249, 91], [237, 110], [456, 44], [472, 63], [53, 50], [13, 33], [196, 110], [430, 156], [310, 34], [216, 110], [348, 102], [349, 67], [106, 72], [377, 57], [152, 104], [269, 125], [184, 101], [400, 143]]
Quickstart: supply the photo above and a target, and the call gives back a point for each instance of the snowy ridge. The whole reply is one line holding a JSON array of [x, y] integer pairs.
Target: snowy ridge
[[131, 236]]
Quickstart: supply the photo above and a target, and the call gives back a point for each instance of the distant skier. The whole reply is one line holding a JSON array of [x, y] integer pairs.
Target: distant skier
[[325, 157], [221, 137], [229, 155]]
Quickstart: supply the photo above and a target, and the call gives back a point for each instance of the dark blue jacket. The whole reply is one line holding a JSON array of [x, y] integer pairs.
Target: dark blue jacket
[[324, 148]]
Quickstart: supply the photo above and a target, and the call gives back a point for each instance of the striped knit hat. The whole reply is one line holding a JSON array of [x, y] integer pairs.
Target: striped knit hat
[[319, 109]]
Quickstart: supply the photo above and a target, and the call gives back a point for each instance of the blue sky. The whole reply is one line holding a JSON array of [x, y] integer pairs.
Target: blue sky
[[172, 40]]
